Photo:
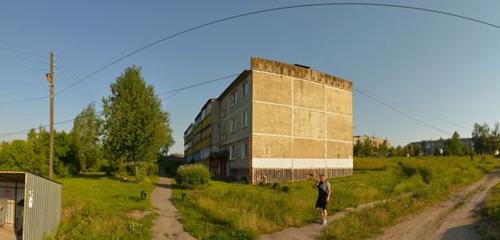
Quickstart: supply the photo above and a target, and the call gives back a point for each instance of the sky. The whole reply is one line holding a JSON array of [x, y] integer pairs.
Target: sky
[[438, 66]]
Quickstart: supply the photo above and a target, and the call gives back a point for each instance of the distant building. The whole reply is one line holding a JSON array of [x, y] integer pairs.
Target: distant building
[[275, 121], [429, 147], [375, 140]]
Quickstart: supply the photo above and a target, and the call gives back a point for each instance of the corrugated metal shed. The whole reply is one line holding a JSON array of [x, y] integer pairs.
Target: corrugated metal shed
[[42, 203]]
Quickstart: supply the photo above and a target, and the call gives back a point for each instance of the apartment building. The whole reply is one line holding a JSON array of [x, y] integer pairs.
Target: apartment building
[[431, 147], [275, 122]]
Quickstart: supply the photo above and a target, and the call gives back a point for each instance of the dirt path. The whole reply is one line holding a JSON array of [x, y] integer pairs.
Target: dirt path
[[452, 219], [166, 225], [312, 231]]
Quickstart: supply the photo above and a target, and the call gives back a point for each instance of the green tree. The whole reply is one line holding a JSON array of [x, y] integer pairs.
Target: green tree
[[481, 138], [15, 155], [136, 128], [358, 148], [368, 147], [86, 140], [454, 146]]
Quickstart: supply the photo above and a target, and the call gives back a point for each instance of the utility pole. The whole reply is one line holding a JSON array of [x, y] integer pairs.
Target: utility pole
[[50, 78]]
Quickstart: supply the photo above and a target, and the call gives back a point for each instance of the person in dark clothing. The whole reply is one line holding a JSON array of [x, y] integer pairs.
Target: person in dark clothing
[[324, 191]]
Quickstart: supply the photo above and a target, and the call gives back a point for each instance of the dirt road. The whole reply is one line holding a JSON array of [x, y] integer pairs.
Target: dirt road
[[312, 231], [166, 225], [451, 220]]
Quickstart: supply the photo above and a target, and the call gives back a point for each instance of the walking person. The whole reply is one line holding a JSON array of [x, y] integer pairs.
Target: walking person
[[324, 191]]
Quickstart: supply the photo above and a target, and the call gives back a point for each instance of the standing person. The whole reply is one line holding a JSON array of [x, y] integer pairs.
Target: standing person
[[324, 191]]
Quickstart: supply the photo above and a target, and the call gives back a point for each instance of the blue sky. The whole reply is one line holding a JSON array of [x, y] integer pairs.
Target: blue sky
[[437, 64]]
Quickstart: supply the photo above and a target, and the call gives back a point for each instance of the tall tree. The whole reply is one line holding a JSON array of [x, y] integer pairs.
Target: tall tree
[[136, 128], [481, 138], [86, 140], [454, 146]]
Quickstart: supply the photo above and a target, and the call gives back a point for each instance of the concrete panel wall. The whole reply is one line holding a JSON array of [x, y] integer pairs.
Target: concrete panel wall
[[271, 119], [309, 123], [271, 88], [338, 127], [338, 101], [339, 149], [308, 148], [308, 94], [271, 147]]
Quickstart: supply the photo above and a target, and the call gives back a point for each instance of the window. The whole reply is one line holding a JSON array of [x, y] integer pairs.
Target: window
[[234, 97], [244, 150], [232, 125], [232, 152], [244, 119], [246, 88]]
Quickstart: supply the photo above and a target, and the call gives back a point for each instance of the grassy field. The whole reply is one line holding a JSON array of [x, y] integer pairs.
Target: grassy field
[[430, 179], [100, 207], [489, 227], [238, 211]]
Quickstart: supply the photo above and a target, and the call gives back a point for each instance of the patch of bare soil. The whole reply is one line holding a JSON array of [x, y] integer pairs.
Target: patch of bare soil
[[137, 214], [453, 219]]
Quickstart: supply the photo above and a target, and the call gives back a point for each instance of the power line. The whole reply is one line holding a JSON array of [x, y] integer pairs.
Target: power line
[[23, 59], [24, 47], [7, 134], [23, 100], [203, 25], [21, 66], [175, 91], [200, 26], [418, 110], [22, 52], [260, 12], [403, 113], [74, 77]]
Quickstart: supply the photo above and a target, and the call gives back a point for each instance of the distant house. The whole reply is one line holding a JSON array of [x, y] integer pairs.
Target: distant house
[[275, 121], [375, 140], [429, 147]]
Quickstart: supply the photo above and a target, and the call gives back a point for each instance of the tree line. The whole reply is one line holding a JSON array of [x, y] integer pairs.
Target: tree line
[[127, 137], [484, 140]]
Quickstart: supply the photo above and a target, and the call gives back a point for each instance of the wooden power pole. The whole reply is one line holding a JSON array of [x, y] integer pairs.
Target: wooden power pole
[[50, 78]]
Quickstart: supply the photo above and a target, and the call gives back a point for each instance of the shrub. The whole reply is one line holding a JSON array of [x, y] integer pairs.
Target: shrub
[[192, 176], [276, 186], [285, 189], [171, 166]]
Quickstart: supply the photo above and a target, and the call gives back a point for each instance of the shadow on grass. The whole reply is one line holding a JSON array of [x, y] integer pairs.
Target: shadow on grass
[[92, 175]]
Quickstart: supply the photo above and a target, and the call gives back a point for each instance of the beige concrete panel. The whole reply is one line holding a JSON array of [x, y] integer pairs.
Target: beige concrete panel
[[308, 123], [271, 88], [338, 101], [271, 147], [308, 94], [339, 150], [338, 127], [271, 119], [308, 148]]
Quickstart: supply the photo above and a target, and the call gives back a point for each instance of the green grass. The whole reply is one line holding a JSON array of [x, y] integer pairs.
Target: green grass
[[96, 207], [227, 210], [489, 227], [430, 179], [238, 211]]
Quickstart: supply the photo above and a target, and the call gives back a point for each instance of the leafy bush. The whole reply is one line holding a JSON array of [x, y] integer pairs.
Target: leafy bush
[[193, 176], [171, 166]]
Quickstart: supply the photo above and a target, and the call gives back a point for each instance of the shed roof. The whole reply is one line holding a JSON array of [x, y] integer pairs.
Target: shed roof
[[18, 176]]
